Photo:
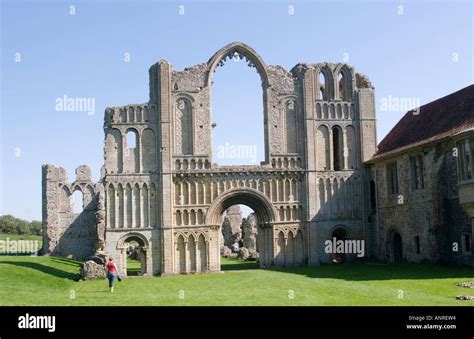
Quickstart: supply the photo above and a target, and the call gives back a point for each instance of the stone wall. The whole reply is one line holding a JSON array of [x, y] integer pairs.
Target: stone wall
[[430, 216], [67, 233], [231, 230], [250, 233]]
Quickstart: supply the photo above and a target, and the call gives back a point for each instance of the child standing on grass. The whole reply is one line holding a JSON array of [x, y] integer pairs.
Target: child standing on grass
[[111, 273]]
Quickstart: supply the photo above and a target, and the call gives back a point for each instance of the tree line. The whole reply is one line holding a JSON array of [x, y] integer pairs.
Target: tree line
[[11, 225]]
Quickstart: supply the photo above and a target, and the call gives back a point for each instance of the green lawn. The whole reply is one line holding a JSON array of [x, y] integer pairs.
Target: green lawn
[[228, 264], [133, 267], [53, 281]]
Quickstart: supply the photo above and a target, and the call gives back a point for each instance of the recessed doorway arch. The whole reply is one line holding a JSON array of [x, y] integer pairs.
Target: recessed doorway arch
[[133, 246], [264, 211]]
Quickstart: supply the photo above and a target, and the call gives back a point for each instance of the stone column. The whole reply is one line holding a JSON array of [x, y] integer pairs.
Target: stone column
[[139, 151], [133, 225], [345, 155], [124, 152], [116, 209], [148, 210], [211, 187], [331, 150], [180, 193], [207, 256], [270, 189], [204, 195], [124, 208], [160, 76], [277, 185], [310, 180], [140, 218]]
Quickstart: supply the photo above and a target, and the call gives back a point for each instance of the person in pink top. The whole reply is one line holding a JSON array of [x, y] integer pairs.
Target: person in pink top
[[111, 273]]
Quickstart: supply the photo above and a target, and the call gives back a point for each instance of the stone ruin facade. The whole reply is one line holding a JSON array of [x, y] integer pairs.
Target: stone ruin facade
[[165, 193], [67, 233]]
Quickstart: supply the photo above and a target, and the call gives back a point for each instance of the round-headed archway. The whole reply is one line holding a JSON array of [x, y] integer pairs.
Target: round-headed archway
[[339, 233], [397, 249], [264, 213], [133, 254], [239, 239]]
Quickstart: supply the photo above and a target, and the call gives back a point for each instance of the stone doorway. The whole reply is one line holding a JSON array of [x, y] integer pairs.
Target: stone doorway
[[397, 248], [264, 214], [340, 234], [133, 255], [238, 238]]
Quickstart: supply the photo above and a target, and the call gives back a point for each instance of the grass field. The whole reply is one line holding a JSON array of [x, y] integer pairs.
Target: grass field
[[133, 267], [53, 281]]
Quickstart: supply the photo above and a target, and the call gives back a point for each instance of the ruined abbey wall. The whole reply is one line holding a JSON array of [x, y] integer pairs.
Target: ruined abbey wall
[[67, 233], [165, 192]]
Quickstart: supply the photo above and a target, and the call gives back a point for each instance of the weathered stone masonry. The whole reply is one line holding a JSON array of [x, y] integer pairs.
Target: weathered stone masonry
[[67, 233], [423, 185], [167, 194]]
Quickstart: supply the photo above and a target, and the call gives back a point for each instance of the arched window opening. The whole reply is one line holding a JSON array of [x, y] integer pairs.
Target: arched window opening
[[323, 151], [183, 128], [342, 86], [338, 161], [351, 148], [131, 163], [77, 202], [291, 127], [237, 114], [132, 139], [322, 86]]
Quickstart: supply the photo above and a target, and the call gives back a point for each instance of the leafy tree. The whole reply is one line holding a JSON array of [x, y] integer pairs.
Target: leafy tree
[[36, 227], [23, 228], [8, 224], [11, 225]]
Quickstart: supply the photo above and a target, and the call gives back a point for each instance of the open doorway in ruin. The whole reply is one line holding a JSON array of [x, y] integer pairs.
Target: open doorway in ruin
[[133, 256], [397, 248], [339, 234], [238, 238]]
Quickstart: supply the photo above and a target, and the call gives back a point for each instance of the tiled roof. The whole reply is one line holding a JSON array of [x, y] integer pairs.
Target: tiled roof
[[436, 120]]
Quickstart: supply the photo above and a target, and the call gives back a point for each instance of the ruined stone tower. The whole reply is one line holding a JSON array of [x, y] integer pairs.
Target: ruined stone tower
[[166, 194]]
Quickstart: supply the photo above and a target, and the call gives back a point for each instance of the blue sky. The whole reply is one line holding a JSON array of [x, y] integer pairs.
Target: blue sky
[[424, 53]]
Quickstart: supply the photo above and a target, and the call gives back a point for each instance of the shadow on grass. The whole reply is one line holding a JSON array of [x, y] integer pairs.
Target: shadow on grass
[[133, 272], [238, 265], [44, 269], [133, 267], [66, 261], [362, 271]]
